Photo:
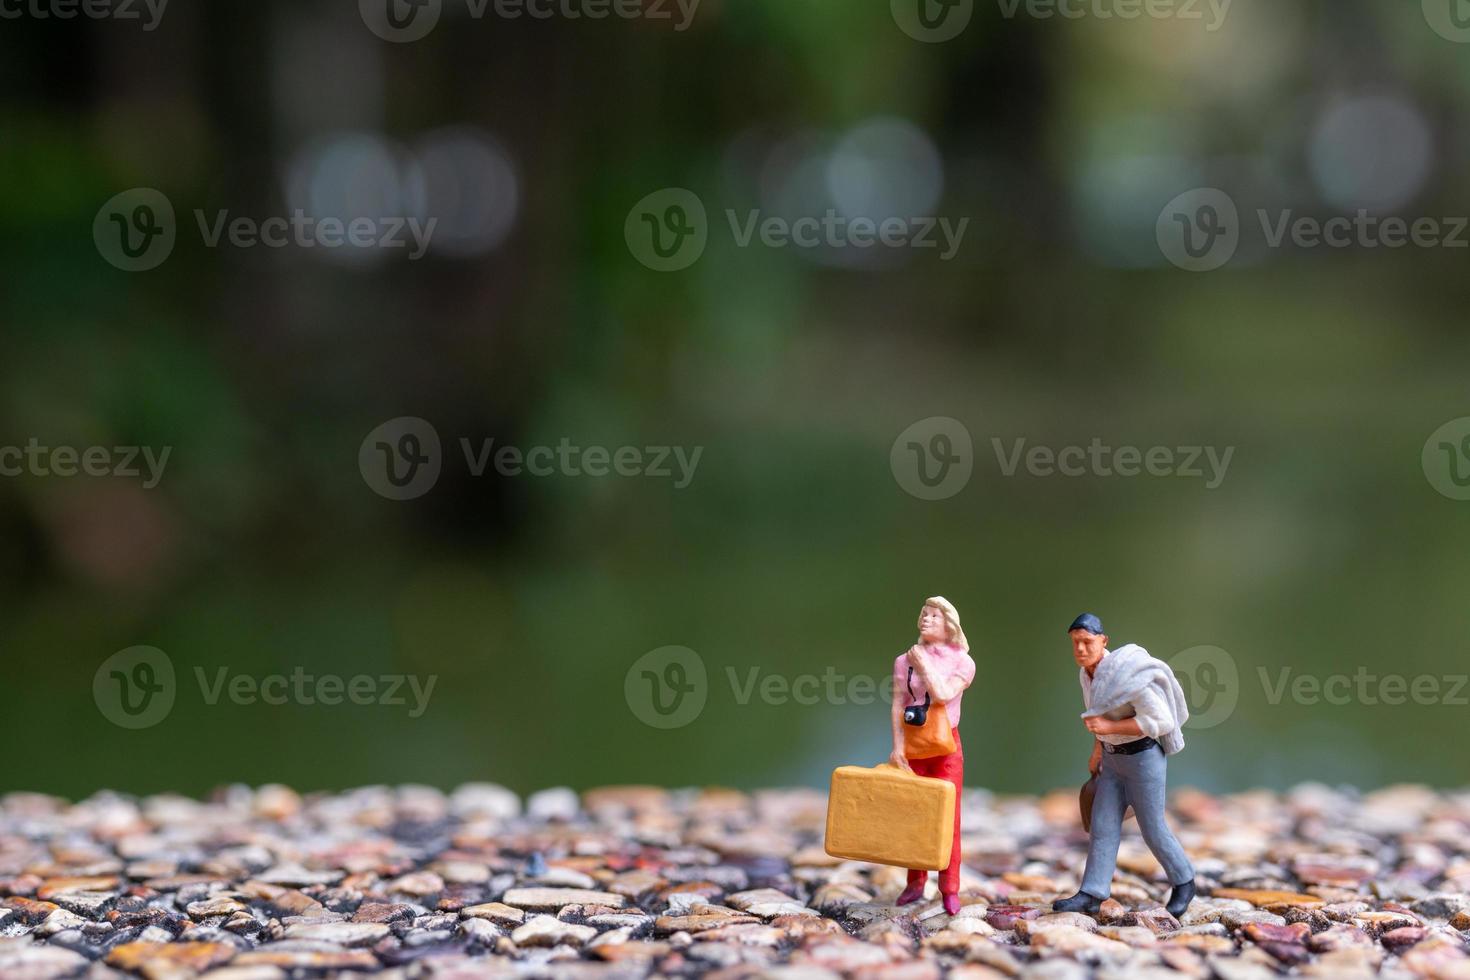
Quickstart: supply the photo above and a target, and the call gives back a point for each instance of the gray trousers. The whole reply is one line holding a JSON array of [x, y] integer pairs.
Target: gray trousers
[[1136, 780]]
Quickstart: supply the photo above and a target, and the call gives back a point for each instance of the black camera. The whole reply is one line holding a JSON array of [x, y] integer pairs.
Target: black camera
[[916, 714]]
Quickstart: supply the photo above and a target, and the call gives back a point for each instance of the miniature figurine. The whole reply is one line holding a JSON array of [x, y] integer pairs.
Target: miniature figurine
[[1135, 710], [929, 681]]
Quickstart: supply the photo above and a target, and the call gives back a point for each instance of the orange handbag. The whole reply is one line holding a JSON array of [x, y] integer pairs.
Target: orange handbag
[[927, 732]]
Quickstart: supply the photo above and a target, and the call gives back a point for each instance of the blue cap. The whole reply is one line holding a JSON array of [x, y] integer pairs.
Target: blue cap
[[1089, 622]]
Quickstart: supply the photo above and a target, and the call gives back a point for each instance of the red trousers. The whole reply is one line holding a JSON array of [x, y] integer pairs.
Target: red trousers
[[952, 768]]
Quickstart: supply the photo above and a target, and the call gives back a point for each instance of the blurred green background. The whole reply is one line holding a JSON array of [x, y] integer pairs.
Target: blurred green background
[[795, 549]]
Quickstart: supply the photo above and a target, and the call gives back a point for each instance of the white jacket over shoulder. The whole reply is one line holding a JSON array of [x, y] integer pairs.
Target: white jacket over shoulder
[[1129, 678]]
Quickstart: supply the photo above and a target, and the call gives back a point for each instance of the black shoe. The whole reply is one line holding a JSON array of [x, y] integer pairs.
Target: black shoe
[[1080, 902], [1180, 897]]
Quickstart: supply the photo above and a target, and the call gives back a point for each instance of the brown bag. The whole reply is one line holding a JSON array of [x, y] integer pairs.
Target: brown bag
[[935, 737], [1084, 803]]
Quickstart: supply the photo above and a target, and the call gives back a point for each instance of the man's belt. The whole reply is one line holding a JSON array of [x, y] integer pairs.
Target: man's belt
[[1129, 748]]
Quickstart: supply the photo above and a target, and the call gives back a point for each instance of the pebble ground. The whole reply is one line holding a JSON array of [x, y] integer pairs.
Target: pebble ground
[[636, 882]]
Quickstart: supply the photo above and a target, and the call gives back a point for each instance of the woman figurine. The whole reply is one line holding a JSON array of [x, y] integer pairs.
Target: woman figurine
[[936, 670]]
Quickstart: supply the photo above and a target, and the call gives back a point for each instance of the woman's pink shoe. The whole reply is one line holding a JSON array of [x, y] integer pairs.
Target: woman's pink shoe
[[952, 904], [910, 895]]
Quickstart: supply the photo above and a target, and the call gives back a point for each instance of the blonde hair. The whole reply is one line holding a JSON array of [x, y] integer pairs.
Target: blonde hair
[[951, 619]]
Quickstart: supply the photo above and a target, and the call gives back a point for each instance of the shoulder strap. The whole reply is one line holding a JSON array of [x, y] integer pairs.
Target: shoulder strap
[[911, 687]]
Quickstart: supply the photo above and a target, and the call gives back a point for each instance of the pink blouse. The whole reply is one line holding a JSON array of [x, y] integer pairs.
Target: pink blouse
[[952, 668]]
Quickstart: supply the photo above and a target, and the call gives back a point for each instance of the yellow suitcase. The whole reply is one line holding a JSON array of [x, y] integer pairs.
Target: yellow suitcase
[[888, 816]]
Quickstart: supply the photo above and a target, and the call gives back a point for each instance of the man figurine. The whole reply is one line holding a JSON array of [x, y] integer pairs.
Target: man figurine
[[1135, 710]]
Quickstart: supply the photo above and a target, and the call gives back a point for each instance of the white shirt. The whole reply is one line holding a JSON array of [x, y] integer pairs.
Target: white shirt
[[1153, 715]]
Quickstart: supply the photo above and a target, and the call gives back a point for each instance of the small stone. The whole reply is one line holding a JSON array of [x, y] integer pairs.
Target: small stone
[[274, 802], [291, 957], [560, 803], [547, 930], [219, 905], [169, 959], [1136, 936], [22, 960], [1029, 927], [1264, 897], [420, 884], [385, 912], [495, 912], [480, 930], [1004, 917], [545, 899], [1072, 941], [1156, 920], [339, 933], [59, 921], [245, 973], [1235, 920], [1403, 937], [667, 924], [565, 878], [49, 889], [1264, 932]]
